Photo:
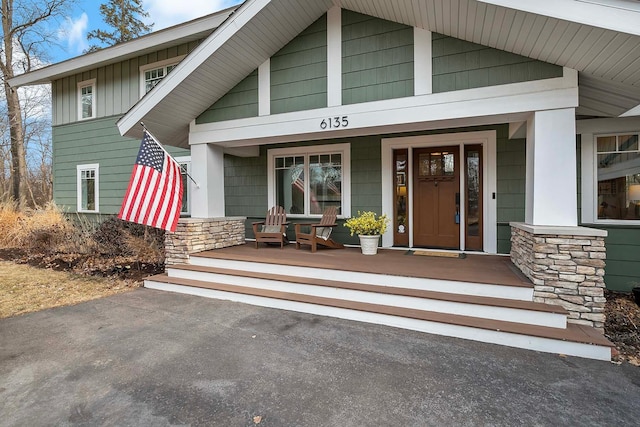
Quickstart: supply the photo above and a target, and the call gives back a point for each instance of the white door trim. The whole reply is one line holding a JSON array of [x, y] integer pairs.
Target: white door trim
[[488, 140]]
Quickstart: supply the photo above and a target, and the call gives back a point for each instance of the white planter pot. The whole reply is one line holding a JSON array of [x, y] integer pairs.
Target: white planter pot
[[369, 244]]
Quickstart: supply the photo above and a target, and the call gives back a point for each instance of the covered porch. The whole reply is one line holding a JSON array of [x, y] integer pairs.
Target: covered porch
[[471, 296]]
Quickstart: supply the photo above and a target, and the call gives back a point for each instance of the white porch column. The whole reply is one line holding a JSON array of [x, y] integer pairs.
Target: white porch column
[[551, 182], [207, 169]]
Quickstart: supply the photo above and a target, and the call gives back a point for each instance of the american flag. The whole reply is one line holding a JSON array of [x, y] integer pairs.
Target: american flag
[[154, 196]]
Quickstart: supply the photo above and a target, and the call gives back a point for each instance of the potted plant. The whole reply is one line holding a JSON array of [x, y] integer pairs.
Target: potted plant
[[368, 227]]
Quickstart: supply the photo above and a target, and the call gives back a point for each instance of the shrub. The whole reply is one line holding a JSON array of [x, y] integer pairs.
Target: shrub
[[367, 224]]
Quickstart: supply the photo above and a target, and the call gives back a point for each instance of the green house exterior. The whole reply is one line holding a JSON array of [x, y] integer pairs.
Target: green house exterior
[[354, 70]]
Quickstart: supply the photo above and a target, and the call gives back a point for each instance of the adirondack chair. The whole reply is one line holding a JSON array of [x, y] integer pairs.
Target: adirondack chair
[[273, 229], [319, 233]]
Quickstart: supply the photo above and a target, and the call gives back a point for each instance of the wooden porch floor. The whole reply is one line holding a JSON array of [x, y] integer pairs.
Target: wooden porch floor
[[473, 268]]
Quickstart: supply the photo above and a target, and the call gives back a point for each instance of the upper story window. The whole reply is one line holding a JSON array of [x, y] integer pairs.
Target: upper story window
[[87, 189], [151, 74], [87, 99], [306, 180], [618, 176]]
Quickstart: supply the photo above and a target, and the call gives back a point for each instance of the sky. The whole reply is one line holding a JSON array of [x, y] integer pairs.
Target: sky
[[85, 17]]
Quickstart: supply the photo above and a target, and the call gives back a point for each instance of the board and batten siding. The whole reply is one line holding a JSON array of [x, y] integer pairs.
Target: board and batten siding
[[458, 64], [117, 85], [239, 103], [95, 141], [377, 59]]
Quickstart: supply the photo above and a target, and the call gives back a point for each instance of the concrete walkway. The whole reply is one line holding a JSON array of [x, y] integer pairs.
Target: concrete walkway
[[154, 358]]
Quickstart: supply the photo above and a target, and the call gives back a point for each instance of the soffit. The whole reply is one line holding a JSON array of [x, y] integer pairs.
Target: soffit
[[601, 52]]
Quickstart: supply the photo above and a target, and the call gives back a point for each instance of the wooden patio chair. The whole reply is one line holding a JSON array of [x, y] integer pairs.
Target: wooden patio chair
[[319, 233], [273, 229]]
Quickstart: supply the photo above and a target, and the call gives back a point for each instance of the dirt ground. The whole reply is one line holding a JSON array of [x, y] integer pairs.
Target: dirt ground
[[621, 327]]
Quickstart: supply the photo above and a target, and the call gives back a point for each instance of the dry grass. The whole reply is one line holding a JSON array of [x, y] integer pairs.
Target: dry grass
[[25, 289]]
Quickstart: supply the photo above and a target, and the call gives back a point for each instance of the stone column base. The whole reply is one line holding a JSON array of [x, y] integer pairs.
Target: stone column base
[[202, 234], [566, 266]]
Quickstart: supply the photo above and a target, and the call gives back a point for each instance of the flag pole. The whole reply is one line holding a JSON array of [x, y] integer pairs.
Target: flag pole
[[167, 153]]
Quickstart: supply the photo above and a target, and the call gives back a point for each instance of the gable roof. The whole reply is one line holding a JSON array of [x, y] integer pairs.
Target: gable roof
[[597, 39], [256, 31], [196, 29]]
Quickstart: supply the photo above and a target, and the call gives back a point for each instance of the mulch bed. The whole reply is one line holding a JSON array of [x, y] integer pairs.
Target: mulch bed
[[103, 265], [621, 327]]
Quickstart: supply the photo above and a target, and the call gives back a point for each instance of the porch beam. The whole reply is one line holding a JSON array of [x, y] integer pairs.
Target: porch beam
[[551, 178], [207, 168]]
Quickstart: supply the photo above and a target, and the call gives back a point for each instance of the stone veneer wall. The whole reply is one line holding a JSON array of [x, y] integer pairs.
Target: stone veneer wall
[[202, 234], [566, 269]]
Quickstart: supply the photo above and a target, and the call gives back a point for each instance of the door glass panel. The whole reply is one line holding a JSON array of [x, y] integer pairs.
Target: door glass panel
[[400, 217], [437, 164], [448, 163], [473, 193]]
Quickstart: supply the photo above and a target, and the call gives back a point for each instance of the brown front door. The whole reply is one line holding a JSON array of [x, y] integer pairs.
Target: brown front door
[[436, 197]]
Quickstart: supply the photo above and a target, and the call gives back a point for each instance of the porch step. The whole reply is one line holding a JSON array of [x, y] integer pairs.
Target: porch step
[[526, 312], [573, 340], [516, 291]]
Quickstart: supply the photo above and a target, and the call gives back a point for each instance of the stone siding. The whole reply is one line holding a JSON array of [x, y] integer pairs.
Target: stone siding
[[566, 270], [202, 234]]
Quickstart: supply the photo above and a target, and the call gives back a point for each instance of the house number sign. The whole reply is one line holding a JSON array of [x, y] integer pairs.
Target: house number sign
[[334, 122]]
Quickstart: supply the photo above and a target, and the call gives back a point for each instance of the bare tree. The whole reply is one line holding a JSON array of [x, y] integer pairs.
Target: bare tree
[[24, 34]]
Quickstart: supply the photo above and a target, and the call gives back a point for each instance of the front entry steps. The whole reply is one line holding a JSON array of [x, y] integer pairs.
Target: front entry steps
[[508, 321]]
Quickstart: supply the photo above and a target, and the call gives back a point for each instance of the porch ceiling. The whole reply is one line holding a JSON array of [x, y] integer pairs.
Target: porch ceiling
[[607, 58]]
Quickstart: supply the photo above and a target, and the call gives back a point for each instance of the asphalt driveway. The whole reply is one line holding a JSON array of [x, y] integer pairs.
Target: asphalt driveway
[[154, 358]]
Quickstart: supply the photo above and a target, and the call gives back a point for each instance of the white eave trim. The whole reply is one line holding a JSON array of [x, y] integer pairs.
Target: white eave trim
[[635, 111], [594, 13], [211, 44], [511, 99], [121, 51]]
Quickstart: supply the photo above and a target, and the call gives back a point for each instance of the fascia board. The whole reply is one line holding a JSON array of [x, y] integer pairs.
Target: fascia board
[[122, 51], [596, 14]]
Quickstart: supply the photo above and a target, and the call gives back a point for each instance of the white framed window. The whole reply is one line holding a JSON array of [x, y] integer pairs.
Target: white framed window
[[306, 180], [88, 188], [611, 172], [185, 165], [618, 175], [87, 99], [151, 74]]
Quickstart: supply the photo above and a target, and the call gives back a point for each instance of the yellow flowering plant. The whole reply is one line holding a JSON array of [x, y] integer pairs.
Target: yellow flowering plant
[[367, 224]]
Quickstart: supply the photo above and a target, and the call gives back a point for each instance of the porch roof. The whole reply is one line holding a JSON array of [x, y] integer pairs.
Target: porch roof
[[599, 39]]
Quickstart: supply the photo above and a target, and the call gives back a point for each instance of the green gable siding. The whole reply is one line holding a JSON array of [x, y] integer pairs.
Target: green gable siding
[[458, 64], [94, 141], [117, 85], [299, 71], [240, 102], [511, 177], [377, 59]]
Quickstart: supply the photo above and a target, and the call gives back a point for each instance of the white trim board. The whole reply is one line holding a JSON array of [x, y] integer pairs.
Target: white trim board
[[516, 98], [488, 140]]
